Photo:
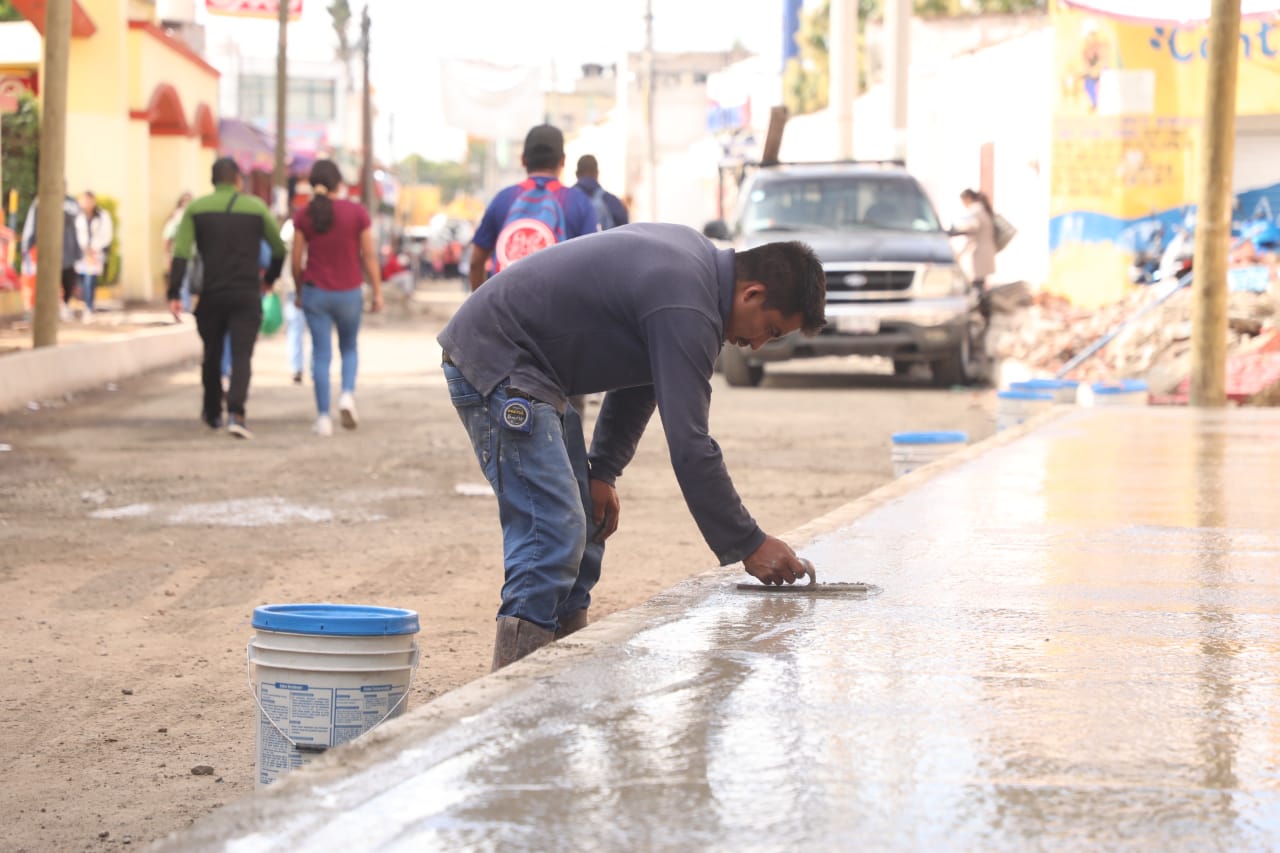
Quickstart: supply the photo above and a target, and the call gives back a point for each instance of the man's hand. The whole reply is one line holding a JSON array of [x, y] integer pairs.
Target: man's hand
[[774, 563], [376, 304], [175, 308], [604, 510]]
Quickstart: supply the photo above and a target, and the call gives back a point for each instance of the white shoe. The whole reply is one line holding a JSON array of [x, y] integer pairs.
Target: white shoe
[[347, 410], [323, 426]]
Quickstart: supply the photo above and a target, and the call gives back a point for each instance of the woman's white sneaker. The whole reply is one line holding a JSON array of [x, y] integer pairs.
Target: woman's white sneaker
[[347, 410], [323, 426]]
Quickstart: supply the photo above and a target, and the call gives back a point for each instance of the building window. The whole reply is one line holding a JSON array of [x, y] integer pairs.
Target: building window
[[309, 99]]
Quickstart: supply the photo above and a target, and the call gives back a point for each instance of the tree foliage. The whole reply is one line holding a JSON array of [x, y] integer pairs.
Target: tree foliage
[[21, 154], [8, 13], [452, 178], [340, 18]]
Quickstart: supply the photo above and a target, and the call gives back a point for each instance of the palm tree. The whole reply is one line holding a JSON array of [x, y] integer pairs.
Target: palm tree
[[340, 14]]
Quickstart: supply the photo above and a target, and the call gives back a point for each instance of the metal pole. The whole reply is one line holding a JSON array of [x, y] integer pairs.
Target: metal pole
[[280, 177], [1213, 217], [843, 72], [52, 186], [651, 146], [366, 171], [897, 24]]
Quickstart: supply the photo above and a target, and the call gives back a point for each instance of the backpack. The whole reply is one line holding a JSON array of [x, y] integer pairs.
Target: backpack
[[603, 216], [534, 221]]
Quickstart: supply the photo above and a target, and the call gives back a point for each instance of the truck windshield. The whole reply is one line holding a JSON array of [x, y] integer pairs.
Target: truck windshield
[[838, 204]]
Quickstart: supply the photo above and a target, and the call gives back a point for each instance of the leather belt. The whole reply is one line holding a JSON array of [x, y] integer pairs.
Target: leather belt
[[444, 359]]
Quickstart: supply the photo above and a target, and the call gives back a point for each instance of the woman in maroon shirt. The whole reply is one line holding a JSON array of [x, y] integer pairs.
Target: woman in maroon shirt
[[332, 242]]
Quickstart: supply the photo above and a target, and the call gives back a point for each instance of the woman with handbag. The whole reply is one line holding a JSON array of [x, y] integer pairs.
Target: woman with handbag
[[332, 243], [976, 252]]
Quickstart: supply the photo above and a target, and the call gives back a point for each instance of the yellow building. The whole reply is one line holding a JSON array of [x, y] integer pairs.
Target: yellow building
[[142, 124]]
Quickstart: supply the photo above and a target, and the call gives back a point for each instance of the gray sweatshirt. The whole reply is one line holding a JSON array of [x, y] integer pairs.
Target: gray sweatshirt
[[637, 311]]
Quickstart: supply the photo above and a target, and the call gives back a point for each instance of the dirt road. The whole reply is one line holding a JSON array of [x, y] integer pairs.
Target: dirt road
[[135, 543]]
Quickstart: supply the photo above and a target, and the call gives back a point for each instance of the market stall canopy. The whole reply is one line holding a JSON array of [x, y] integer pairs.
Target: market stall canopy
[[1168, 11], [253, 149]]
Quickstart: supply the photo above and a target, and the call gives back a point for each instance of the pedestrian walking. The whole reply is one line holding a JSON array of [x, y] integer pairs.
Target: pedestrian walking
[[639, 312], [295, 322], [70, 247], [533, 214], [227, 227], [976, 252], [332, 242], [94, 233], [168, 234], [610, 211]]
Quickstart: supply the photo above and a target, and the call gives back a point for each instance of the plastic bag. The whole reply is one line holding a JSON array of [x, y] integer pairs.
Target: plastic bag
[[272, 313]]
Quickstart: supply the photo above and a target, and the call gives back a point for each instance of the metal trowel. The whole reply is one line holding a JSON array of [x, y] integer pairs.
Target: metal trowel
[[812, 587]]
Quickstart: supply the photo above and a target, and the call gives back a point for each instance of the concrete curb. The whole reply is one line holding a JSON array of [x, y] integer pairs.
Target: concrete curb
[[49, 372]]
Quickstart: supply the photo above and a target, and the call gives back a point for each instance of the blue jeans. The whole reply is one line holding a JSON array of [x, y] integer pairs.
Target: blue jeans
[[326, 309], [88, 284], [294, 323], [544, 502]]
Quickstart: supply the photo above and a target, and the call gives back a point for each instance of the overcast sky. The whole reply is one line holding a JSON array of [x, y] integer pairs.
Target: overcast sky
[[410, 37]]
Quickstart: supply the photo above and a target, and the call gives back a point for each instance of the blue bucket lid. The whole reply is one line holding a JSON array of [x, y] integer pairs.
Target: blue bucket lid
[[1124, 386], [1024, 395], [1043, 384], [342, 620], [930, 437]]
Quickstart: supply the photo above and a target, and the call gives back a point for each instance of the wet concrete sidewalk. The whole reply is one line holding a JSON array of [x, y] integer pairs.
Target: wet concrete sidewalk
[[1077, 645]]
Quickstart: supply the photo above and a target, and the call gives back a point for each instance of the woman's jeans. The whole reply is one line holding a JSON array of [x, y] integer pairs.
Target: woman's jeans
[[88, 285], [294, 323], [326, 309], [544, 502]]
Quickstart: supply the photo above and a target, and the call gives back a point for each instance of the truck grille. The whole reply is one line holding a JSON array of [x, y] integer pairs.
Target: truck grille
[[869, 280]]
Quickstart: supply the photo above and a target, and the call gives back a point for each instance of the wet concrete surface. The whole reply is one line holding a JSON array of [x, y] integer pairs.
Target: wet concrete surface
[[1077, 645]]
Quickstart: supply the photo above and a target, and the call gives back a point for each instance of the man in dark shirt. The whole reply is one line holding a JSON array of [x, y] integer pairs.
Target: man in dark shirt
[[610, 211], [640, 312], [227, 228]]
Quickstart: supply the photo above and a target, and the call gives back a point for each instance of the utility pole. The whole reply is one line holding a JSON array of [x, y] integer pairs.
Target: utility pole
[[651, 145], [897, 29], [1213, 216], [280, 177], [366, 118], [52, 183], [842, 83]]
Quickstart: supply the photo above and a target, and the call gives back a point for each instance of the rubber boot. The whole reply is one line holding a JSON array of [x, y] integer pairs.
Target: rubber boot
[[575, 621], [515, 639]]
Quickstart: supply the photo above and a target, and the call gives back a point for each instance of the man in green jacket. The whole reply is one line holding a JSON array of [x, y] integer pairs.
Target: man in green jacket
[[226, 229]]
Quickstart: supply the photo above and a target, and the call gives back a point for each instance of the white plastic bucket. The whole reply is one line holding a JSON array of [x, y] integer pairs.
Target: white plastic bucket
[[324, 674], [912, 450], [1126, 392], [1015, 407], [1063, 390]]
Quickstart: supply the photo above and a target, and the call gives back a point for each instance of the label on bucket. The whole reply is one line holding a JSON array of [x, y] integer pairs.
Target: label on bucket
[[313, 715]]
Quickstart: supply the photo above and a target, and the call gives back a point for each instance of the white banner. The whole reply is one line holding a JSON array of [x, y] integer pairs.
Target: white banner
[[1168, 11], [491, 101]]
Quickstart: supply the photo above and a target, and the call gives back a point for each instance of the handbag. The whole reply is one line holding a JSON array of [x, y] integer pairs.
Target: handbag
[[1004, 231]]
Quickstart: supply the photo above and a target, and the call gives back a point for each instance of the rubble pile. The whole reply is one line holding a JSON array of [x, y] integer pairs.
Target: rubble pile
[[1042, 332]]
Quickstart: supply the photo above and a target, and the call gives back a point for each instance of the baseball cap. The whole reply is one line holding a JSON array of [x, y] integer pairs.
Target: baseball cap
[[544, 141]]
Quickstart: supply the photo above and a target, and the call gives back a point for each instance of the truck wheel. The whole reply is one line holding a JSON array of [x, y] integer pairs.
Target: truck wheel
[[739, 372], [957, 368], [901, 368]]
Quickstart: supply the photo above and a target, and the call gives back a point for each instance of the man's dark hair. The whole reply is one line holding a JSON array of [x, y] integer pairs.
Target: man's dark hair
[[588, 167], [225, 171], [793, 279], [543, 148]]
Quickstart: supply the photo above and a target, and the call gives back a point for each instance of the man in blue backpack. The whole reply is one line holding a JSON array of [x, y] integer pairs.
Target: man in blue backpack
[[610, 211], [533, 214]]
